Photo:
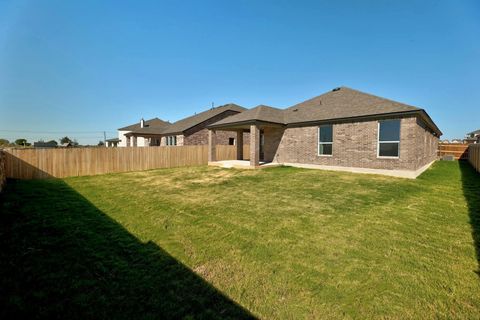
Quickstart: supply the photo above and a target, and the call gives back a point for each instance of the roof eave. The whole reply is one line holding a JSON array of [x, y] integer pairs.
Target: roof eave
[[244, 122]]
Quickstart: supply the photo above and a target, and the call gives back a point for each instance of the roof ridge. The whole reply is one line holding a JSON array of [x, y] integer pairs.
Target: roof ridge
[[378, 97], [354, 90]]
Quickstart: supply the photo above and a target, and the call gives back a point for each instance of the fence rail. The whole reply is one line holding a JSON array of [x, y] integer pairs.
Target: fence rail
[[474, 156], [61, 163], [458, 150]]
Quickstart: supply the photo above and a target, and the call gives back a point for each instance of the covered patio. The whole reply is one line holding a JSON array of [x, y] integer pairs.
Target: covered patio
[[151, 140], [266, 128]]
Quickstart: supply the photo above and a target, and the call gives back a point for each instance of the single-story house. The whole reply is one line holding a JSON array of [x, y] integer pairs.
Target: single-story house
[[343, 129], [127, 139], [43, 144], [473, 137], [191, 130], [112, 143]]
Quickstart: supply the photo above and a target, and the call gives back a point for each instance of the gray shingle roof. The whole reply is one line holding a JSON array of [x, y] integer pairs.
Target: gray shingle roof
[[187, 123], [153, 129], [259, 113], [155, 122], [474, 132], [339, 103]]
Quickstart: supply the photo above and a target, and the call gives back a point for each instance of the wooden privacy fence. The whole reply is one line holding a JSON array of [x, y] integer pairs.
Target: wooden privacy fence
[[458, 150], [2, 171], [474, 156], [61, 163]]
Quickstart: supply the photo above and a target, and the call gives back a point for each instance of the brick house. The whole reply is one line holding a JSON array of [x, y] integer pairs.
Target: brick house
[[343, 129], [191, 130]]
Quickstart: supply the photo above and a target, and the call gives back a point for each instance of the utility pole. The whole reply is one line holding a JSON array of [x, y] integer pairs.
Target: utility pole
[[104, 139]]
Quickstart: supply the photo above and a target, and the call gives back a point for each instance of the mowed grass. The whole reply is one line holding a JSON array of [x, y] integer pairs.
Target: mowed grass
[[279, 243]]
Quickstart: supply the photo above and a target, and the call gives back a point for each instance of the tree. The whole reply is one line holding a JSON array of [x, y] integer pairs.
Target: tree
[[65, 140], [22, 142], [4, 142], [100, 143]]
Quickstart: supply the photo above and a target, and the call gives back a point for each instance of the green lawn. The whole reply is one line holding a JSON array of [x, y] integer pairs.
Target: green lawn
[[279, 243]]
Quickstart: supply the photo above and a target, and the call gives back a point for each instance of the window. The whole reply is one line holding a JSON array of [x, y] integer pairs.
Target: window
[[389, 138], [325, 140], [231, 141], [171, 140]]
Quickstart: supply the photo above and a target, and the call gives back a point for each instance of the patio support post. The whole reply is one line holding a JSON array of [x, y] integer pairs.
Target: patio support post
[[212, 145], [254, 146], [134, 141], [240, 145], [128, 142]]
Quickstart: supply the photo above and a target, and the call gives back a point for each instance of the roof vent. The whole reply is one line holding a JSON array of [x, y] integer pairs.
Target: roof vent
[[295, 110], [336, 89]]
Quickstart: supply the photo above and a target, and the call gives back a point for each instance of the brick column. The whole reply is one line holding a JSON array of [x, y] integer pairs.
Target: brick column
[[134, 141], [254, 146], [128, 141], [212, 145], [239, 145]]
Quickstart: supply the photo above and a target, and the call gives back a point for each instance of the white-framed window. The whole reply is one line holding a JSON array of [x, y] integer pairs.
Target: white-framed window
[[388, 138], [325, 140], [171, 140]]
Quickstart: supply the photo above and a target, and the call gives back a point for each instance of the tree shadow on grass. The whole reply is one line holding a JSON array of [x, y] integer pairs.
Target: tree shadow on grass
[[61, 257], [471, 191]]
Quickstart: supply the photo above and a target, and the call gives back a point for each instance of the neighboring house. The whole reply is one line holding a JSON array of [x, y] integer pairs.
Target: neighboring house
[[191, 130], [473, 137], [126, 139], [48, 144], [343, 129], [456, 141], [112, 143], [66, 145]]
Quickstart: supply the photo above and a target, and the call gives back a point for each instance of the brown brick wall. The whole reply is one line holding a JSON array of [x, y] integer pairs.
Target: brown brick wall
[[272, 138], [355, 145], [426, 144]]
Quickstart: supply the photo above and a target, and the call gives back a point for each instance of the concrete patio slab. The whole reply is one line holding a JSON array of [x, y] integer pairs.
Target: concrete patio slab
[[242, 164]]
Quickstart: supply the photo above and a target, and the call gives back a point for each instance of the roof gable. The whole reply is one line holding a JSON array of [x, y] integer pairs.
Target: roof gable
[[259, 113], [341, 103]]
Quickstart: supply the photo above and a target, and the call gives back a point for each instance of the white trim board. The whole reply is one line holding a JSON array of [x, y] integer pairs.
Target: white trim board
[[409, 174]]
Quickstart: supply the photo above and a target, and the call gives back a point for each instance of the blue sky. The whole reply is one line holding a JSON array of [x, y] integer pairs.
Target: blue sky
[[78, 68]]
